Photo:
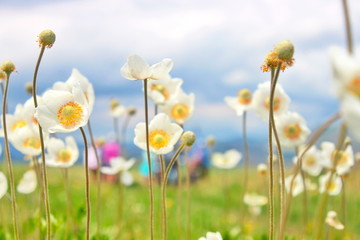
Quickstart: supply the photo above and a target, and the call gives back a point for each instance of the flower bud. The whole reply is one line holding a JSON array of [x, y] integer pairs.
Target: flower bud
[[114, 103], [47, 38], [244, 96], [8, 67], [188, 138], [284, 50], [29, 87], [2, 75], [131, 110]]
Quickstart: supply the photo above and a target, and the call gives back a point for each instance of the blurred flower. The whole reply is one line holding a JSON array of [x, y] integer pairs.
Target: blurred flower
[[240, 103], [212, 236], [254, 199], [118, 164], [297, 185], [335, 184], [162, 90], [311, 161], [3, 185], [262, 169], [226, 160], [63, 111], [261, 100], [333, 221], [163, 134], [127, 178], [210, 141], [344, 159], [310, 186], [180, 107], [137, 69], [27, 183], [292, 129], [2, 75], [116, 109], [62, 154], [350, 112]]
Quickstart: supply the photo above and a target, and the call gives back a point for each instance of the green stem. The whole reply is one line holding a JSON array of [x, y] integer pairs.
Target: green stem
[[123, 135], [87, 185], [43, 165], [348, 27], [188, 222], [149, 161], [343, 202], [246, 166], [8, 157], [116, 130], [163, 196], [120, 205], [69, 219]]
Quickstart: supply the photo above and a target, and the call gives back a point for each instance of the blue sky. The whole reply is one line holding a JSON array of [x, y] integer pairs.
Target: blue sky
[[217, 48]]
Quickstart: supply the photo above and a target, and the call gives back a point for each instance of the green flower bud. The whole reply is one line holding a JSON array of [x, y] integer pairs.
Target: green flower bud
[[131, 111], [47, 38], [284, 50], [8, 67], [188, 138], [29, 87]]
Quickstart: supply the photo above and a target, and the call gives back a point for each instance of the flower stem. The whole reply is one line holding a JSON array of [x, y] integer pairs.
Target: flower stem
[[8, 157], [188, 198], [123, 135], [98, 180], [69, 219], [87, 185], [163, 197], [348, 27], [167, 172], [149, 161], [116, 129], [246, 166], [43, 165], [343, 201]]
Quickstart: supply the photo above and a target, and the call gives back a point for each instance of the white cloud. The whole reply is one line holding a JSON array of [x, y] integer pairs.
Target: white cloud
[[236, 77]]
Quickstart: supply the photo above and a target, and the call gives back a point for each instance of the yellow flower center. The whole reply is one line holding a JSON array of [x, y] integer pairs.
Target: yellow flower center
[[180, 111], [276, 104], [70, 114], [292, 131], [332, 186], [161, 89], [158, 138], [340, 157], [244, 96], [310, 161], [354, 86], [32, 142], [18, 124], [64, 155]]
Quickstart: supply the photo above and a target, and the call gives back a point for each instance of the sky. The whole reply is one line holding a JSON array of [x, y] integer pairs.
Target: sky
[[217, 48]]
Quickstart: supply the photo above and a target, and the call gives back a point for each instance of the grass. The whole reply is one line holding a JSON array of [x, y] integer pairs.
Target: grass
[[215, 204]]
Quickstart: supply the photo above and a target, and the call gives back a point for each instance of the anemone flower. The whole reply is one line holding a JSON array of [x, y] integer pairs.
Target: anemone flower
[[261, 100], [27, 183], [262, 169], [226, 160], [255, 202], [3, 185], [292, 129], [297, 185], [344, 159], [116, 109], [350, 112], [118, 164], [63, 111], [333, 221], [212, 236], [335, 185], [241, 103], [180, 107], [312, 161], [160, 91], [163, 135], [62, 154]]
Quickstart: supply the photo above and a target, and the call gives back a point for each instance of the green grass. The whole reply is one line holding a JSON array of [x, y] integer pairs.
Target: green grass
[[215, 206]]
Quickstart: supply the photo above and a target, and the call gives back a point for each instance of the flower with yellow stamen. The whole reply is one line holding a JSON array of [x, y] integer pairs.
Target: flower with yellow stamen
[[27, 183], [63, 111], [62, 154], [292, 129], [162, 90], [116, 109], [226, 160], [163, 134], [312, 161], [261, 100], [333, 221], [297, 184], [242, 102], [255, 202], [180, 107], [341, 160], [335, 184], [282, 54]]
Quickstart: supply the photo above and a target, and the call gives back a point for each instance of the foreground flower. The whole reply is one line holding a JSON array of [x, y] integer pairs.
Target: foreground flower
[[335, 185], [241, 103], [3, 185], [333, 221], [63, 111], [137, 69], [163, 134], [180, 107], [212, 236], [27, 183], [162, 90], [118, 164], [226, 160], [255, 201], [297, 184], [281, 55], [292, 129], [341, 160], [62, 154], [312, 161], [261, 100]]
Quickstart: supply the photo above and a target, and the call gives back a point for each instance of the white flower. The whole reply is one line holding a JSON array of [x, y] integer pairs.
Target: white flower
[[261, 169], [227, 160], [63, 111], [118, 164], [3, 185], [62, 154], [344, 159], [333, 221], [116, 109], [212, 236], [335, 185], [127, 178], [180, 107], [255, 201], [350, 112], [241, 103], [297, 186], [261, 100], [162, 90], [27, 183], [137, 69], [312, 161], [163, 134]]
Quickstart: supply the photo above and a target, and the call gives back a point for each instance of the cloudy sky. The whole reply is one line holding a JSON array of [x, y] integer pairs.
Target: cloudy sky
[[217, 48]]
